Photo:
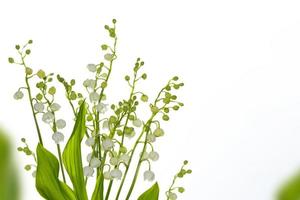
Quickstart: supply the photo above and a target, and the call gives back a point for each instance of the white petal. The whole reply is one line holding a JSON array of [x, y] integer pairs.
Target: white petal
[[151, 138], [55, 107], [116, 173], [153, 155], [89, 157], [114, 161], [39, 107], [90, 141], [95, 162], [172, 196], [149, 175], [48, 117], [94, 96], [137, 123], [107, 144], [60, 124], [88, 171], [18, 95], [107, 175], [108, 57], [58, 137], [92, 67]]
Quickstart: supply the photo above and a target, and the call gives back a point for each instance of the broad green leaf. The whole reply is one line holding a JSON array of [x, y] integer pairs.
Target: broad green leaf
[[9, 188], [72, 155], [151, 194], [98, 191], [47, 182], [291, 190]]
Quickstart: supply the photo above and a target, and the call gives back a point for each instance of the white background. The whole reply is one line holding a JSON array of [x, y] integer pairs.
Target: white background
[[239, 61]]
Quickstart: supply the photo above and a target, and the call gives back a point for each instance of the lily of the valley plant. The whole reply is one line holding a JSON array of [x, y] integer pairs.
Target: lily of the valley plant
[[116, 137]]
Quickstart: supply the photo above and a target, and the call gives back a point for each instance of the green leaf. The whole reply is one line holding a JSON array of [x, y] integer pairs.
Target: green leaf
[[47, 182], [9, 187], [151, 194], [291, 190], [98, 191], [72, 155]]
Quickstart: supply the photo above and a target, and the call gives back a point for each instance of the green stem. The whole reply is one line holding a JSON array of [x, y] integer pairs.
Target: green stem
[[32, 109], [131, 156]]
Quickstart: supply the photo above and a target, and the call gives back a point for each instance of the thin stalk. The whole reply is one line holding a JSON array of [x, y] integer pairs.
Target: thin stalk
[[122, 141], [131, 156]]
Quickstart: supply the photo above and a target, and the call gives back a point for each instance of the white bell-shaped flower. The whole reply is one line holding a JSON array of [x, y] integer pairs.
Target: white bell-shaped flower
[[92, 67], [144, 156], [48, 117], [107, 175], [89, 157], [124, 158], [137, 123], [18, 95], [90, 141], [172, 196], [109, 57], [151, 138], [102, 107], [58, 137], [114, 161], [94, 97], [95, 162], [158, 132], [116, 174], [39, 107], [105, 125], [60, 124], [89, 83], [107, 144], [55, 107], [153, 155], [88, 171], [149, 175]]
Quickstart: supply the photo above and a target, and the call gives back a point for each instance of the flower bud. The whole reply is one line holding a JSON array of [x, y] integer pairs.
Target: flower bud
[[39, 107], [92, 67]]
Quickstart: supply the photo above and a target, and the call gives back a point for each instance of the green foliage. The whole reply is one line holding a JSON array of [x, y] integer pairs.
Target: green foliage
[[291, 190], [151, 194], [47, 182], [9, 187], [72, 155]]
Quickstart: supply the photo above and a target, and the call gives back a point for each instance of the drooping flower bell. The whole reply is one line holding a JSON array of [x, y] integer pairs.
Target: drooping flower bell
[[18, 95], [149, 175], [58, 137]]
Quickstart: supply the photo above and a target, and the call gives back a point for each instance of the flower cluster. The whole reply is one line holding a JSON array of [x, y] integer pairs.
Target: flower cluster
[[111, 131]]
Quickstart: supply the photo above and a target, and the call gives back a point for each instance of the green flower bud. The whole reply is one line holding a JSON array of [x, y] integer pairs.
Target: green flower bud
[[89, 118], [175, 78], [73, 95], [28, 51], [11, 60], [123, 149], [52, 90], [189, 171], [30, 41], [144, 98], [114, 21], [28, 71], [144, 76], [41, 74], [104, 47], [104, 84], [20, 149], [17, 47], [23, 139], [127, 78], [39, 96], [185, 162], [72, 82], [154, 109], [176, 107], [181, 189], [165, 117], [27, 167]]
